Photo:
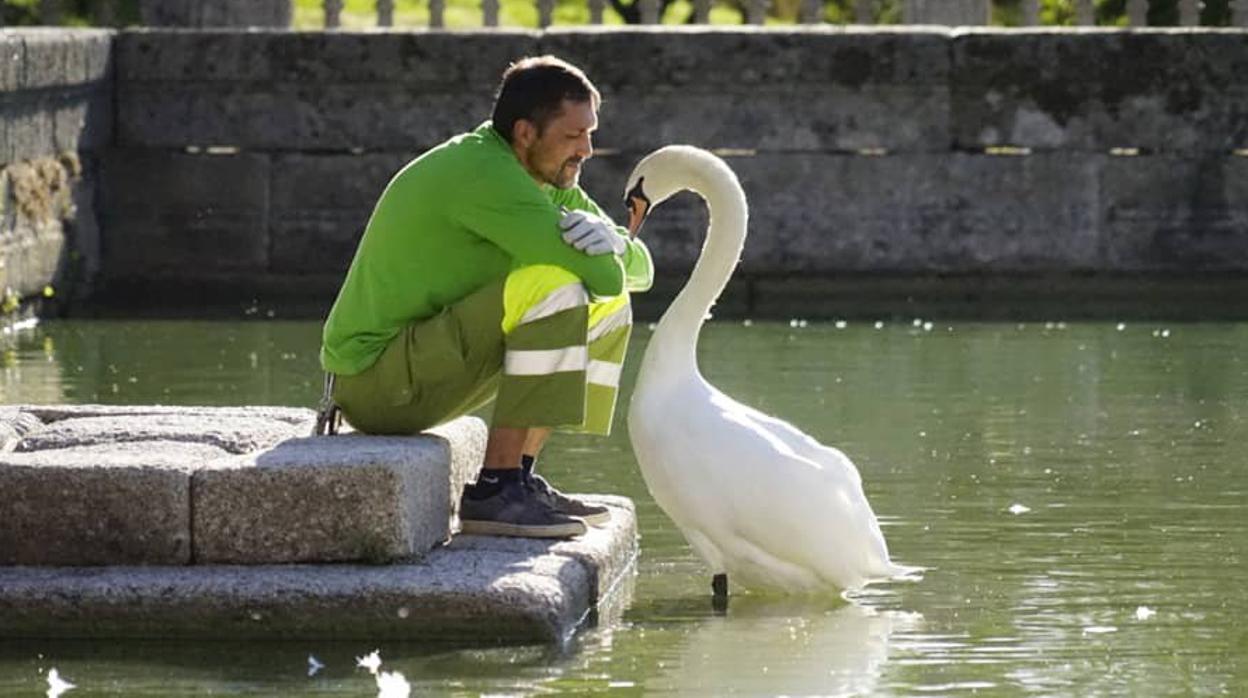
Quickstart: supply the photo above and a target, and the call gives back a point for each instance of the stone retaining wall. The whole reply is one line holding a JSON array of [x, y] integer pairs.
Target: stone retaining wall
[[247, 162], [56, 108], [890, 152]]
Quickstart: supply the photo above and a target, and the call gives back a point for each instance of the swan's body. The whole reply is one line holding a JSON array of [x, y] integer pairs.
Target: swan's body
[[755, 497]]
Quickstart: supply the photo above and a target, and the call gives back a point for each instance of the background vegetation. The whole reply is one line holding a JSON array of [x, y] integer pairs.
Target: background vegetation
[[523, 13]]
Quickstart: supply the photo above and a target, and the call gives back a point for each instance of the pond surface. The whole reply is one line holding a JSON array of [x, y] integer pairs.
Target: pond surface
[[1078, 493]]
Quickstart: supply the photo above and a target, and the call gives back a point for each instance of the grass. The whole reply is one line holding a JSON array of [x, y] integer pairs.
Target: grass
[[466, 14], [459, 14]]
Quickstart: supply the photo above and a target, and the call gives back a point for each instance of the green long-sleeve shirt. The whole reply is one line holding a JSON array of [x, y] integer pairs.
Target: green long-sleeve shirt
[[460, 216]]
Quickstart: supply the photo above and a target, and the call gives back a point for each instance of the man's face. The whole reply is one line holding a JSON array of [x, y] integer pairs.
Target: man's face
[[555, 155]]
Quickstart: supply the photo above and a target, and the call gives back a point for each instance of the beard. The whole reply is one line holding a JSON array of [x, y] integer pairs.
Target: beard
[[568, 174]]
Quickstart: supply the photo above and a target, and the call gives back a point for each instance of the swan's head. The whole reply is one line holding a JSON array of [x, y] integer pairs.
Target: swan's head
[[656, 178]]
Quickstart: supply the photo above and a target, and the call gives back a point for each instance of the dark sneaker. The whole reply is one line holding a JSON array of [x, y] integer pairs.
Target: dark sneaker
[[593, 514], [515, 511]]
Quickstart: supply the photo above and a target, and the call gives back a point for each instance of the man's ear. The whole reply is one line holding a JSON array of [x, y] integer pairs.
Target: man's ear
[[524, 133]]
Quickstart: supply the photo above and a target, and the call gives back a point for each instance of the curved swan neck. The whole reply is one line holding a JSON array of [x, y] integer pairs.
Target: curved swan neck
[[679, 327]]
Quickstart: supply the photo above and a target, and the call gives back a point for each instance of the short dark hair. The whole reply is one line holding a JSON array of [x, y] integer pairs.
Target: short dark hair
[[534, 88]]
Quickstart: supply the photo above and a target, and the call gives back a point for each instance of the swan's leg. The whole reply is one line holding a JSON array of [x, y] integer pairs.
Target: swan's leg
[[719, 593], [710, 552]]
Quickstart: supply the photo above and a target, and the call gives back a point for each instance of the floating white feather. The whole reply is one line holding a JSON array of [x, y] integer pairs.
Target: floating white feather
[[57, 685]]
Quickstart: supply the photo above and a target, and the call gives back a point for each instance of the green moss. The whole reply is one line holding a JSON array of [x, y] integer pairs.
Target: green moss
[[38, 192], [41, 188], [11, 303]]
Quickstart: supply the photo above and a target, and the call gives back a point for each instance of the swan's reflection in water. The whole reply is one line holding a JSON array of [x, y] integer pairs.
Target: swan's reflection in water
[[782, 646]]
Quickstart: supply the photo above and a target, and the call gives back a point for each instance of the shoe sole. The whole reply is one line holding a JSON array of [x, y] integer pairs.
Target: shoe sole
[[497, 528], [592, 519]]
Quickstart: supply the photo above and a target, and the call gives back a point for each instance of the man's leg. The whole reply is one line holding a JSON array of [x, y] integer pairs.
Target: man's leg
[[563, 354], [534, 440], [507, 446], [535, 326], [610, 324], [433, 371], [542, 384], [545, 355]]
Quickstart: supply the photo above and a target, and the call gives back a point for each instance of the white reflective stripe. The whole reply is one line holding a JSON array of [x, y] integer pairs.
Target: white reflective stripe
[[604, 373], [543, 362], [563, 298], [614, 321]]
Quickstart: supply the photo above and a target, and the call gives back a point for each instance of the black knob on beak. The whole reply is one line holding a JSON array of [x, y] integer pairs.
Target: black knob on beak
[[638, 205]]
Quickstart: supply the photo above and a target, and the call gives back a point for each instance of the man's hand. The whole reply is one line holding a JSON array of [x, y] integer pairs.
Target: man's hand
[[591, 234]]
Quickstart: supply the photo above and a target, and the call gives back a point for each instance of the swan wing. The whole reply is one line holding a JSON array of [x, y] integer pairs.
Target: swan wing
[[758, 507], [819, 518], [802, 443]]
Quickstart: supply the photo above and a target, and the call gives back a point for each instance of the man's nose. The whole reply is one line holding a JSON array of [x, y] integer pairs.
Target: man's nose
[[586, 149]]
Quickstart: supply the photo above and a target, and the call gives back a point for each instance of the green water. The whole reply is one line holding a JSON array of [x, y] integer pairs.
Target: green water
[[1125, 445]]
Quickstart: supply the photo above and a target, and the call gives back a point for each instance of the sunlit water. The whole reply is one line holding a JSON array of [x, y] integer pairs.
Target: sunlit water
[[1078, 493]]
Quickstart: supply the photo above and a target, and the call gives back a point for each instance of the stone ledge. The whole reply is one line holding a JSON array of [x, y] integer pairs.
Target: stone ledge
[[475, 591], [325, 499], [15, 425], [232, 434], [55, 57], [109, 485], [296, 416], [117, 504], [605, 551]]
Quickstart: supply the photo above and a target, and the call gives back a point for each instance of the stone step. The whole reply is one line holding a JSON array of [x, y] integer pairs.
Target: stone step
[[104, 485], [324, 499], [475, 591], [606, 555], [122, 504]]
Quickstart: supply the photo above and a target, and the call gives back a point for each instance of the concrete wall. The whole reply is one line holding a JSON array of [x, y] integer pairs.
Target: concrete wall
[[247, 162], [56, 90]]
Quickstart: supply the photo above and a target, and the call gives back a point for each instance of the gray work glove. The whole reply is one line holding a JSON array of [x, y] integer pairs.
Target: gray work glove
[[591, 234]]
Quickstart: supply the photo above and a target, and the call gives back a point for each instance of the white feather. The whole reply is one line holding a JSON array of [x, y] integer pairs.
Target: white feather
[[392, 684], [57, 685], [370, 661]]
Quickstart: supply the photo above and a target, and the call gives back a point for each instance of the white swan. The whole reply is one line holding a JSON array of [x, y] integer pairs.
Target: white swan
[[754, 496]]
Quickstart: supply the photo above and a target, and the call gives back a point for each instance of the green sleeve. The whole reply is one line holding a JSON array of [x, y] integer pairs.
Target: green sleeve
[[525, 225], [638, 265]]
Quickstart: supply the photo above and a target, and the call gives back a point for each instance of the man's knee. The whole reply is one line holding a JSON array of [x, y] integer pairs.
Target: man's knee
[[534, 292], [542, 275]]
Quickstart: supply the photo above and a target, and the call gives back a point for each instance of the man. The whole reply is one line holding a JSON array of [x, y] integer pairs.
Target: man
[[486, 272]]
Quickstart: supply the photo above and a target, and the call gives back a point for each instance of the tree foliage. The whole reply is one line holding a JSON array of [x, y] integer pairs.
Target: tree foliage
[[74, 12], [1005, 12]]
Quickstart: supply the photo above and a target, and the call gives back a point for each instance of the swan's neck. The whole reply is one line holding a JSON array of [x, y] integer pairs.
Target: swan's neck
[[675, 339]]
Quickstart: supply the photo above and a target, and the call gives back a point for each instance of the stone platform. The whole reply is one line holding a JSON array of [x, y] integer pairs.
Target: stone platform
[[476, 590], [181, 522]]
